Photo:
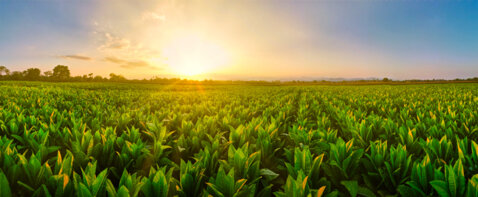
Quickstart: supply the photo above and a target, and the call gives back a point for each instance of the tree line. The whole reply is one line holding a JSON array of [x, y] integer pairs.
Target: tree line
[[61, 73]]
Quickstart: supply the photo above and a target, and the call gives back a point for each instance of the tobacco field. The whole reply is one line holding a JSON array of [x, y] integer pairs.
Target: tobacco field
[[109, 139]]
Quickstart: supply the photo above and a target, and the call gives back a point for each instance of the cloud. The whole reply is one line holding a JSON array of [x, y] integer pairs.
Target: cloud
[[119, 45], [115, 60], [110, 41], [129, 64], [135, 64], [153, 16], [76, 57]]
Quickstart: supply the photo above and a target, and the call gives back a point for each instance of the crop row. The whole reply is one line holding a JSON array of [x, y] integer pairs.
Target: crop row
[[93, 139]]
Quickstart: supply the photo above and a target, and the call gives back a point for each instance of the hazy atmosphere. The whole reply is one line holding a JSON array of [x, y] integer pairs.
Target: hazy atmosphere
[[239, 98], [243, 39]]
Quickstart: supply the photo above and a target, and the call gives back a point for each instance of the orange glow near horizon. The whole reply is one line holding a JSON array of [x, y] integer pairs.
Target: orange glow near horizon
[[191, 55], [241, 40]]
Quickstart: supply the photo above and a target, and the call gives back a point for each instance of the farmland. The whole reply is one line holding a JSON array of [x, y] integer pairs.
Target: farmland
[[108, 139]]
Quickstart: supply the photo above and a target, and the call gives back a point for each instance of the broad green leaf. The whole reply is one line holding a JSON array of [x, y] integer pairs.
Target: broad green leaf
[[441, 187], [4, 186], [351, 186]]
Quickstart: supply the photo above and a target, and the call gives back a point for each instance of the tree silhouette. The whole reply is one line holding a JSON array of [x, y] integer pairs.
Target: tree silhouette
[[32, 74], [114, 77], [98, 78], [61, 73], [16, 75], [48, 73], [5, 70]]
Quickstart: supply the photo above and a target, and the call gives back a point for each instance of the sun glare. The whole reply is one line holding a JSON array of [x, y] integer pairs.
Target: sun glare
[[189, 56]]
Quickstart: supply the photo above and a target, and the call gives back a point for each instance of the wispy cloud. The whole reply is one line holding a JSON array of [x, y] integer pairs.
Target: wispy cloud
[[110, 41], [129, 64], [76, 57], [111, 44], [115, 60], [153, 16], [135, 64]]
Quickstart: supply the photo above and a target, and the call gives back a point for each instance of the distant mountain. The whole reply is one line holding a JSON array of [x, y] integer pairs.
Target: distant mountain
[[328, 79]]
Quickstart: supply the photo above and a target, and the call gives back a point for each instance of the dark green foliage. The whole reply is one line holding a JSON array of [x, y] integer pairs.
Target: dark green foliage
[[106, 139], [61, 73], [32, 74]]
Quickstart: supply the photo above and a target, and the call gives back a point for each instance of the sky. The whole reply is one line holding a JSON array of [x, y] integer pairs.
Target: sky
[[245, 39]]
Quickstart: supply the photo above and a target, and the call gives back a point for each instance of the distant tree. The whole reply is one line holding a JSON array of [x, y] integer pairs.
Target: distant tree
[[76, 78], [5, 70], [61, 72], [48, 73], [385, 79], [98, 78], [16, 75], [115, 77], [32, 74]]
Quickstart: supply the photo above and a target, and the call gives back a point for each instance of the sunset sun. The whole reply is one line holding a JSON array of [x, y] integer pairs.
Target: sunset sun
[[189, 56], [239, 98]]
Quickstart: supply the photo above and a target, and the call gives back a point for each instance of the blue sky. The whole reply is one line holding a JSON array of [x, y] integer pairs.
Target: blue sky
[[243, 39]]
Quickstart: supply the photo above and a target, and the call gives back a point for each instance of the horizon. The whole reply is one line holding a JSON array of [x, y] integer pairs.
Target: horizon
[[244, 40]]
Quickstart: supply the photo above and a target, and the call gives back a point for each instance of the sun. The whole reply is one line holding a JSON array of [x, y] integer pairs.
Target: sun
[[190, 56]]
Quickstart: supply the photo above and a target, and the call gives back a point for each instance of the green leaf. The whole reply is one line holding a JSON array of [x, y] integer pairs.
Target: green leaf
[[83, 191], [451, 178], [215, 189], [351, 186], [267, 191], [269, 174], [441, 187], [363, 191], [239, 184], [26, 186], [99, 182], [110, 188], [406, 191], [123, 192], [4, 187]]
